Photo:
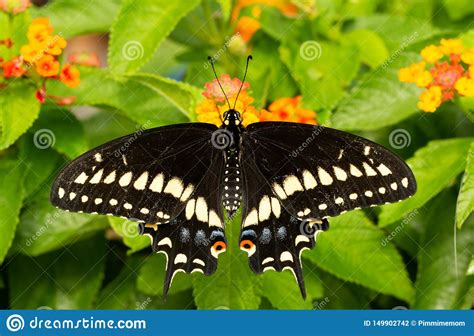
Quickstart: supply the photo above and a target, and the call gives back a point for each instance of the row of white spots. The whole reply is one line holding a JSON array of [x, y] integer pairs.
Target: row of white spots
[[266, 207], [199, 208]]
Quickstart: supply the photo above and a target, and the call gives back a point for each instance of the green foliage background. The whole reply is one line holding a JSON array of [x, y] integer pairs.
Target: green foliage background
[[414, 254]]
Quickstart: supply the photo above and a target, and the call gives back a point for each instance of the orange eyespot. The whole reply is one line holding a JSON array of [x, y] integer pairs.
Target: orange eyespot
[[219, 246], [246, 244]]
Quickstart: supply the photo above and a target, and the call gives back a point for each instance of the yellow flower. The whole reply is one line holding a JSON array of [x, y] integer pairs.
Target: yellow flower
[[468, 56], [471, 71], [431, 53], [411, 73], [430, 99], [424, 79], [30, 53], [451, 46], [465, 86], [55, 45]]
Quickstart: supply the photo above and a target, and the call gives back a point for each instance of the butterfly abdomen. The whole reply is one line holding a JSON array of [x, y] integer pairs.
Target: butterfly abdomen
[[232, 193]]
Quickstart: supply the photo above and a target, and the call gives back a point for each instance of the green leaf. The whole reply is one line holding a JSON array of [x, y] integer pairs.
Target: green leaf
[[233, 285], [441, 268], [380, 96], [432, 175], [77, 17], [136, 100], [18, 109], [139, 29], [465, 203], [321, 69], [458, 9], [152, 275], [59, 280], [58, 128], [372, 49], [128, 230], [12, 173], [44, 228], [353, 250]]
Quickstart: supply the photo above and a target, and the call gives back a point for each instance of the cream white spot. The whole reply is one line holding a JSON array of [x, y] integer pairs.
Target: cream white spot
[[84, 198], [166, 216], [157, 183], [382, 190], [190, 206], [98, 157], [267, 260], [323, 206], [165, 241], [276, 208], [187, 193], [197, 270], [110, 178], [180, 258], [353, 196], [268, 268], [367, 150], [81, 178], [144, 211], [264, 209], [339, 200], [252, 218], [394, 186], [96, 178], [160, 214], [300, 214], [174, 187], [128, 206], [124, 159], [369, 193], [301, 238], [125, 179], [291, 184], [113, 201], [324, 177], [308, 180], [341, 175], [279, 191], [140, 183], [355, 171], [369, 171], [405, 182], [72, 195], [383, 169], [61, 193], [199, 262], [286, 256], [214, 219], [201, 210], [341, 151]]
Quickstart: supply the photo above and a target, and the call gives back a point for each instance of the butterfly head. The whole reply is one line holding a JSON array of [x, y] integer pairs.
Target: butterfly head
[[232, 118]]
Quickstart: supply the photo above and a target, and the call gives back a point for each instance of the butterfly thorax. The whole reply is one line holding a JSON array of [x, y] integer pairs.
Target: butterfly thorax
[[232, 193]]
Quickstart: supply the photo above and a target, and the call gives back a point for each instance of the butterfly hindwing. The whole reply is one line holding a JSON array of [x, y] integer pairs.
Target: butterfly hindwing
[[318, 172], [146, 177], [272, 237]]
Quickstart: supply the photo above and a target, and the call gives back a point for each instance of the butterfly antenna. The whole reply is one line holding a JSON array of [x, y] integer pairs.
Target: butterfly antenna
[[209, 58], [249, 57]]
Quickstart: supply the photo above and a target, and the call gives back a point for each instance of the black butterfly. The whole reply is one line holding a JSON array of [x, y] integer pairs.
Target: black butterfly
[[177, 180]]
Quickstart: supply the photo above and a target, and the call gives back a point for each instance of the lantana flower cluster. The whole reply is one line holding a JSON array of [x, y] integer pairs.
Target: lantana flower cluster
[[447, 71], [40, 60], [212, 108]]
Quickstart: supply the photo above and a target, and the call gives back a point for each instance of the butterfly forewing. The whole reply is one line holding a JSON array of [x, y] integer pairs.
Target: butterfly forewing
[[146, 177], [318, 172]]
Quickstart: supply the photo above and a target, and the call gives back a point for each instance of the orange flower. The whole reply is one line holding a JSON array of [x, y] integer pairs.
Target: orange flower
[[247, 27], [39, 30], [31, 54], [13, 68], [47, 66], [289, 109], [70, 76], [54, 45]]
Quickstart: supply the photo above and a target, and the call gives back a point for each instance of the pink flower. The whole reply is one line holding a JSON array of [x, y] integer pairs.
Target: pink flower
[[230, 86]]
